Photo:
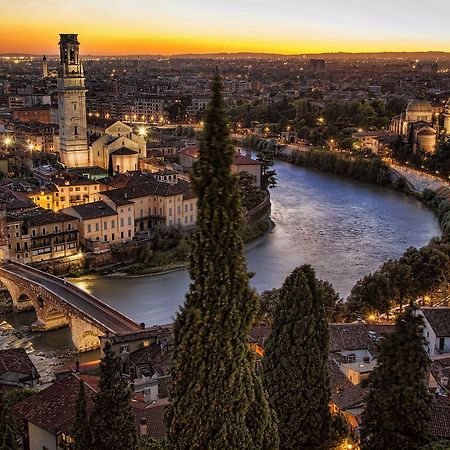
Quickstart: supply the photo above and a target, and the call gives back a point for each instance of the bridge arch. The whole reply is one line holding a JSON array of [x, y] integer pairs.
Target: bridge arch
[[59, 303]]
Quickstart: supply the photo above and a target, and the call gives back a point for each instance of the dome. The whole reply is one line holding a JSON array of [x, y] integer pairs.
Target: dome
[[415, 106]]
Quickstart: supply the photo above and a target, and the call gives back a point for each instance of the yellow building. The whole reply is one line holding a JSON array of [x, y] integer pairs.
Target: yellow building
[[40, 235], [167, 201], [100, 225], [66, 193]]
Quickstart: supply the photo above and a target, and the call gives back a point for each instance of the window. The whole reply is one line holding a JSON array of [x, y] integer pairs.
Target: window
[[43, 231], [105, 225], [121, 235], [33, 232], [170, 211], [112, 224], [129, 233], [97, 227], [185, 219], [89, 228], [75, 130], [112, 237], [122, 222], [56, 229], [129, 220], [123, 348], [351, 358]]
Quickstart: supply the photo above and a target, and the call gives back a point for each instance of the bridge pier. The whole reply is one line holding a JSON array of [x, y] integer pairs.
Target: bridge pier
[[85, 336]]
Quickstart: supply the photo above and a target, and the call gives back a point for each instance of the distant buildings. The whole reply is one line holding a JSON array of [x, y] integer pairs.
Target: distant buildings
[[17, 370], [419, 124]]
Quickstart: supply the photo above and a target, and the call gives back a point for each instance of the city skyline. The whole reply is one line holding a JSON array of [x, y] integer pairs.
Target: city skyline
[[174, 27]]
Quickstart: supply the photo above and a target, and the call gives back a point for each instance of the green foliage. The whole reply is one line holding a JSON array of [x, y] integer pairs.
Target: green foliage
[[18, 395], [295, 363], [251, 194], [112, 420], [149, 443], [81, 430], [165, 238], [370, 170], [334, 305], [255, 230], [265, 155], [398, 404], [437, 445], [8, 434], [441, 205], [217, 400], [417, 273]]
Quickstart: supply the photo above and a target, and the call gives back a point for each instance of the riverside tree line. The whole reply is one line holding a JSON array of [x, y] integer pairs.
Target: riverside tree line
[[218, 399]]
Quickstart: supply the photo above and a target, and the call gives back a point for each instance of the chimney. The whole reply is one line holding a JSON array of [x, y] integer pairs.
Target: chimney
[[142, 325], [77, 366], [143, 429]]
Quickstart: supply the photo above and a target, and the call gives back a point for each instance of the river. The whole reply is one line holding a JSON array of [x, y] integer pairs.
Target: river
[[343, 228]]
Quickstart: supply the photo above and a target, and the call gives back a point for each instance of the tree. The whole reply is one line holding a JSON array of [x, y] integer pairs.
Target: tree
[[398, 405], [295, 363], [110, 166], [81, 429], [217, 400], [8, 435], [112, 420], [266, 156]]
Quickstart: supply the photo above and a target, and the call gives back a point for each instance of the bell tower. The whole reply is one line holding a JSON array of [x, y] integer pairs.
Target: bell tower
[[44, 67], [73, 145]]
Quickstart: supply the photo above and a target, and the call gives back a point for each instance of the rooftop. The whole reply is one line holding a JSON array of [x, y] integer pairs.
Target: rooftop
[[16, 360], [94, 210], [439, 319]]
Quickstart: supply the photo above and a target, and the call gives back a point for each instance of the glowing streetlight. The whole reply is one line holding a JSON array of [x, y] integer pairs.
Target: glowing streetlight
[[7, 141], [142, 131], [321, 120], [31, 146]]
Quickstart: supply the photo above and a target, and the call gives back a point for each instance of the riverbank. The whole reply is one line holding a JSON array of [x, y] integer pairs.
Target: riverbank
[[254, 234]]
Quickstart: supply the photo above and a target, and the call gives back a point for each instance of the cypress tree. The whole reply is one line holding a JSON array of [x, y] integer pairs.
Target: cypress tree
[[81, 429], [295, 363], [110, 166], [112, 420], [8, 435], [397, 411], [217, 400]]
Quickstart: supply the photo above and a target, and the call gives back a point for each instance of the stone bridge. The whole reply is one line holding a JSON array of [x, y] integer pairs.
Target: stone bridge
[[59, 303]]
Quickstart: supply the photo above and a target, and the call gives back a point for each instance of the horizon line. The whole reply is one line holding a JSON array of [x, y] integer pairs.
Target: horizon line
[[175, 55]]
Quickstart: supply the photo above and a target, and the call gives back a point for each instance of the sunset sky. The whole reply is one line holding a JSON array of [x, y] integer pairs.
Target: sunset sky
[[202, 26]]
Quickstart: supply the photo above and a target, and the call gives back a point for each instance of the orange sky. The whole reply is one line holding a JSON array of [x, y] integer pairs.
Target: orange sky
[[200, 26]]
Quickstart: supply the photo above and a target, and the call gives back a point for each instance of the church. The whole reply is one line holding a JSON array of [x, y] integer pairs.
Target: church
[[111, 145], [419, 123]]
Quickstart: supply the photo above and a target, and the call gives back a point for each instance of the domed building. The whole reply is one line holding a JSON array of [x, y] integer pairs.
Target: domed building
[[419, 124]]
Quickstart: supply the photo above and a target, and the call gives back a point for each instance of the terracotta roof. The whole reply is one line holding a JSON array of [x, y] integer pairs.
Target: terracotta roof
[[440, 421], [53, 409], [154, 417], [439, 319], [16, 360], [191, 151], [124, 151], [43, 217], [150, 188], [159, 356], [242, 160], [355, 336], [344, 393], [94, 210]]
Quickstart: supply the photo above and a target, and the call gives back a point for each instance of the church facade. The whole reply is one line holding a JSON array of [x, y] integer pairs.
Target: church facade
[[419, 124], [116, 145]]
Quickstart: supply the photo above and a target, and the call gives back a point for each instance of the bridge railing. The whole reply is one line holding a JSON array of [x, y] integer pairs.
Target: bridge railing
[[78, 291]]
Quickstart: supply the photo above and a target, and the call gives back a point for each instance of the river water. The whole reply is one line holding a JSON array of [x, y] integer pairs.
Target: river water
[[344, 228]]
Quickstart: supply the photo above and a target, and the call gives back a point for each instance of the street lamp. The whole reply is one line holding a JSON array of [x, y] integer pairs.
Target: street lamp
[[142, 131], [7, 141]]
